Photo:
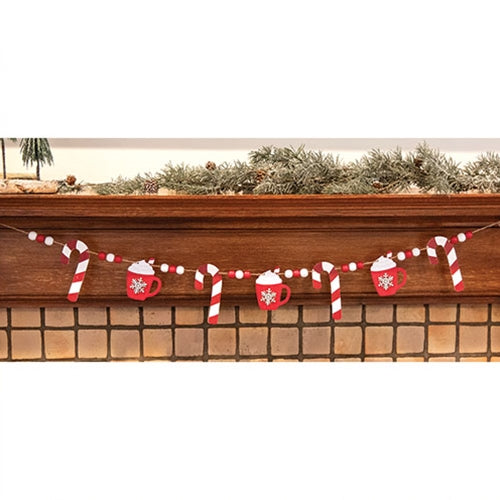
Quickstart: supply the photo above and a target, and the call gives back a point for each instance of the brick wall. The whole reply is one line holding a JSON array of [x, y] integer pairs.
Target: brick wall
[[245, 333]]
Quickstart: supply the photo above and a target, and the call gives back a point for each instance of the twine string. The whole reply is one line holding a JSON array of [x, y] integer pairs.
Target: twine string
[[225, 273]]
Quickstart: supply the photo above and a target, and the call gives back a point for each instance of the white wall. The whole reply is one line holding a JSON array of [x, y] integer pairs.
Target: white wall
[[100, 160]]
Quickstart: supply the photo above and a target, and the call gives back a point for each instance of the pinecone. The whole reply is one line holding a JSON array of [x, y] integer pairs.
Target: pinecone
[[377, 185], [260, 175], [70, 180], [151, 186], [210, 165], [418, 161]]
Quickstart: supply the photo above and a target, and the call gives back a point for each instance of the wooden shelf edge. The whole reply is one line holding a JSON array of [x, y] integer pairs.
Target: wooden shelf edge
[[249, 206], [231, 301]]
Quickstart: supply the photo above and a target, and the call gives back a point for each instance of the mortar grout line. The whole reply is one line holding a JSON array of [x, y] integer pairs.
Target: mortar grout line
[[237, 328], [300, 326], [488, 334], [426, 332], [363, 332], [108, 333], [123, 326], [269, 346], [451, 356], [141, 334], [75, 329], [205, 326], [333, 327], [9, 334], [394, 354], [42, 333], [174, 330]]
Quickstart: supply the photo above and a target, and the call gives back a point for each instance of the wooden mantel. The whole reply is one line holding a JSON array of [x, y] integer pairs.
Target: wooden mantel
[[245, 232]]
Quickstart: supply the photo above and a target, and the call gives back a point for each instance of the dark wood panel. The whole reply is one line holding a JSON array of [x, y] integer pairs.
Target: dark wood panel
[[254, 233], [468, 207]]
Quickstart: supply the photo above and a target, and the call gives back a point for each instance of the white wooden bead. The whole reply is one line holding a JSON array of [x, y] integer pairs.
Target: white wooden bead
[[401, 256], [164, 268], [304, 273], [110, 257], [32, 235], [179, 269], [288, 273], [352, 266], [461, 237], [416, 252], [239, 274], [49, 241]]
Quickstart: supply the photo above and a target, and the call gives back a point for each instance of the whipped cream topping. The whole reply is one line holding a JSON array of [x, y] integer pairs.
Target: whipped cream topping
[[269, 278], [382, 264], [141, 267]]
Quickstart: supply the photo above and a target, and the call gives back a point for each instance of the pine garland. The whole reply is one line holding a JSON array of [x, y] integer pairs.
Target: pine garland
[[272, 170]]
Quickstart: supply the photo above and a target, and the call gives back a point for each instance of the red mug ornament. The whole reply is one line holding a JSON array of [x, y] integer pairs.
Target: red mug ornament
[[140, 279], [385, 276], [268, 288]]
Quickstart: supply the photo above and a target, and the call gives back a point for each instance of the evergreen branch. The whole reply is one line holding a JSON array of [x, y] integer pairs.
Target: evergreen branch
[[272, 170]]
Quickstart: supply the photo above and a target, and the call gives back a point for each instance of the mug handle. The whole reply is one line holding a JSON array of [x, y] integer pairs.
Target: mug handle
[[288, 294], [157, 289], [403, 282]]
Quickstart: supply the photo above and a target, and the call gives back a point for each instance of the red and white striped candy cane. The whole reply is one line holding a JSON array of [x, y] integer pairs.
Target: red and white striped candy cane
[[451, 255], [81, 268], [213, 312], [333, 276]]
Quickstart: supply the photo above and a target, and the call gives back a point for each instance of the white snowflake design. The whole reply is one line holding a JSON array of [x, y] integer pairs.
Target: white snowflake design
[[385, 281], [138, 285], [268, 296]]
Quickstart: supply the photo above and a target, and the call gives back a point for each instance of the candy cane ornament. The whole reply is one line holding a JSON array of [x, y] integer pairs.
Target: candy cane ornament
[[213, 312], [333, 276], [451, 255], [81, 268]]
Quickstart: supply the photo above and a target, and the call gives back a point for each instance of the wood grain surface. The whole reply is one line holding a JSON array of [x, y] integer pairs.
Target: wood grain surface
[[250, 233]]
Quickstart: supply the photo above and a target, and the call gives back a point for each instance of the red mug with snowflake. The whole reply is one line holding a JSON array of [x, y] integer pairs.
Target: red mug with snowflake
[[140, 279], [269, 288], [385, 276]]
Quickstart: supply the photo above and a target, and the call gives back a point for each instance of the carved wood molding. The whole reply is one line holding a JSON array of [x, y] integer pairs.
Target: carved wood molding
[[247, 232]]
